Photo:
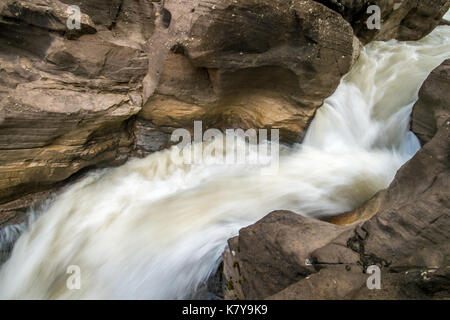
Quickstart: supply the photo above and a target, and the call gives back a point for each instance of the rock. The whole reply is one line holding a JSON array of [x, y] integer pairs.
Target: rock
[[429, 113], [415, 213], [432, 109], [362, 213], [137, 70], [400, 19], [349, 283], [246, 64], [49, 15], [273, 254], [208, 61], [403, 230], [65, 101], [422, 19], [102, 12], [148, 138], [332, 283]]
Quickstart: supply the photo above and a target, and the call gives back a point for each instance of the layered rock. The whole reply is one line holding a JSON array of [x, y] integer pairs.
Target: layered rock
[[433, 107], [136, 70], [66, 95], [260, 64], [246, 64], [429, 113], [400, 19], [403, 230], [273, 254], [69, 96]]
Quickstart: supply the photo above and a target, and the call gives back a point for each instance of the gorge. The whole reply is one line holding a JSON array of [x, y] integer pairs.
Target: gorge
[[154, 228]]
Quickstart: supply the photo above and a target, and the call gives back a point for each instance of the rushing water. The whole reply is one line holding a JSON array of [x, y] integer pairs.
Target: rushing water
[[153, 229]]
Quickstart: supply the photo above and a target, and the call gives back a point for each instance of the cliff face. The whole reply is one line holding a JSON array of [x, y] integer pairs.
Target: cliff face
[[403, 230], [242, 64], [401, 19], [432, 109], [136, 70], [66, 95]]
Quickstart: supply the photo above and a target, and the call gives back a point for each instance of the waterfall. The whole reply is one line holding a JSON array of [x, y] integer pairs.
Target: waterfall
[[156, 229]]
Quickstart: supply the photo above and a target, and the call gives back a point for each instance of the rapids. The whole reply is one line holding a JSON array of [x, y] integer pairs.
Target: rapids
[[156, 229]]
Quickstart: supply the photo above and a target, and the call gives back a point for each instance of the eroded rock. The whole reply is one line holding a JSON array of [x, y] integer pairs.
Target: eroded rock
[[403, 230], [274, 253], [400, 19], [433, 107], [137, 70], [65, 100], [246, 64]]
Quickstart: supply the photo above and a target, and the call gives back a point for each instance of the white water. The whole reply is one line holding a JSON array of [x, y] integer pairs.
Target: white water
[[154, 230]]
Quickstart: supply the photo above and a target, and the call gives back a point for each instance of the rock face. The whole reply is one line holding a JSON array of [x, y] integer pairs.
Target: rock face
[[273, 253], [400, 19], [433, 107], [246, 64], [69, 97], [65, 94], [403, 230], [136, 70], [259, 64]]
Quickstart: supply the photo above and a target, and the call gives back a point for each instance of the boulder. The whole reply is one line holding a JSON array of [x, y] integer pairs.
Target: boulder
[[47, 14], [135, 71], [433, 108], [66, 99], [246, 64], [400, 19], [403, 230], [273, 253]]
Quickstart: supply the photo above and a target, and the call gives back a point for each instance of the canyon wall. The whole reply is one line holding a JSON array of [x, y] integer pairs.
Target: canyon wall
[[403, 230], [73, 100]]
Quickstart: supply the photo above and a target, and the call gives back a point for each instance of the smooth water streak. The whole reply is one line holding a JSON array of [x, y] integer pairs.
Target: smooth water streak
[[153, 229]]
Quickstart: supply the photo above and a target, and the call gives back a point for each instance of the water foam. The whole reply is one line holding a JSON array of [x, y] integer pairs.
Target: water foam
[[154, 229]]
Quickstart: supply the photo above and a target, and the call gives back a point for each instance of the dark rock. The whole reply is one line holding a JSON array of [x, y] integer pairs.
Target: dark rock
[[102, 12], [65, 101], [433, 107], [246, 64], [48, 15], [403, 230], [331, 283], [148, 138], [72, 100], [273, 254], [400, 19]]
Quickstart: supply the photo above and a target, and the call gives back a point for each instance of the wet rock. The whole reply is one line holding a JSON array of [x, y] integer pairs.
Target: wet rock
[[137, 70], [403, 230], [432, 109], [65, 100], [246, 64], [273, 254], [48, 15], [400, 19]]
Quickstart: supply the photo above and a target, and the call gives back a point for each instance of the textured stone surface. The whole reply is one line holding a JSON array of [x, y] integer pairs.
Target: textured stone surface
[[45, 14], [433, 107], [65, 97], [401, 19], [136, 70], [404, 230], [273, 253], [429, 113], [246, 64]]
